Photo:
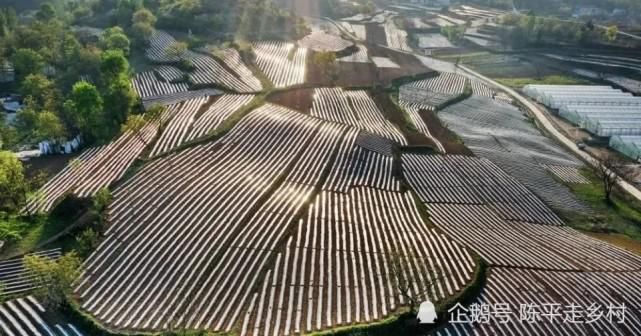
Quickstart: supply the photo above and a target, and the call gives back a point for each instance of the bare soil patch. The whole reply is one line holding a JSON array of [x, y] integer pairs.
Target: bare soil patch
[[375, 34], [297, 99], [48, 164], [355, 75], [350, 74], [409, 65]]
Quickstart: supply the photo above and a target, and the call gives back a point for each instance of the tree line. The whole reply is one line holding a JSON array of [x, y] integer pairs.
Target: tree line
[[520, 30], [70, 84]]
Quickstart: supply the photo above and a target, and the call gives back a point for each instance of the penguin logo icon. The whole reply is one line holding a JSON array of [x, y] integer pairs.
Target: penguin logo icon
[[426, 313]]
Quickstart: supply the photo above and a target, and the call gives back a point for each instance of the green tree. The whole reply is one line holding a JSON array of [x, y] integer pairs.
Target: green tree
[[101, 200], [176, 49], [46, 12], [40, 90], [54, 278], [144, 15], [84, 109], [143, 23], [142, 32], [115, 38], [326, 63], [13, 185], [155, 113], [86, 242], [112, 65], [136, 124], [49, 127], [26, 121], [611, 33], [122, 99], [8, 135], [26, 62]]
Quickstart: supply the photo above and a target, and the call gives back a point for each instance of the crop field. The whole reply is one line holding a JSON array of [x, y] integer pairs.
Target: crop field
[[396, 38], [179, 97], [357, 30], [502, 134], [418, 98], [616, 63], [355, 108], [189, 121], [432, 92], [26, 316], [13, 277], [93, 170], [293, 267], [157, 49], [148, 86], [208, 71], [384, 62], [540, 288], [414, 113], [169, 74], [433, 41], [233, 61], [283, 63], [483, 183]]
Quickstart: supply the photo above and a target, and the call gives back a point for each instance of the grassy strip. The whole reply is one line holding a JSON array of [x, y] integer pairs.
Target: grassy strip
[[398, 82], [620, 217], [518, 83], [467, 93]]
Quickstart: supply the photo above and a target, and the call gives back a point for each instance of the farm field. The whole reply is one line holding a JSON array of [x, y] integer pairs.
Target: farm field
[[355, 108], [26, 316], [273, 58], [352, 169], [274, 174], [597, 290], [16, 279], [501, 133]]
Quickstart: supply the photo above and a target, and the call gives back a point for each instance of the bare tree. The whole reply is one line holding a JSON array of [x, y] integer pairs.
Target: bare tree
[[403, 281], [136, 125], [609, 171]]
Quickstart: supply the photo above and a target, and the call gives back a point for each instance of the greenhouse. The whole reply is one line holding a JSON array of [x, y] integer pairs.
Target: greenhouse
[[627, 145], [601, 110], [610, 128], [583, 118], [557, 96]]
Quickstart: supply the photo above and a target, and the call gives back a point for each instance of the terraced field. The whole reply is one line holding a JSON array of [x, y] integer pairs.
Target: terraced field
[[294, 267], [283, 63], [502, 134], [355, 108], [593, 294], [26, 317], [227, 72]]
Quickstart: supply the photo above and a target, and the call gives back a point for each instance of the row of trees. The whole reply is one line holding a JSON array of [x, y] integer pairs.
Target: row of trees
[[340, 9], [523, 30], [245, 19]]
